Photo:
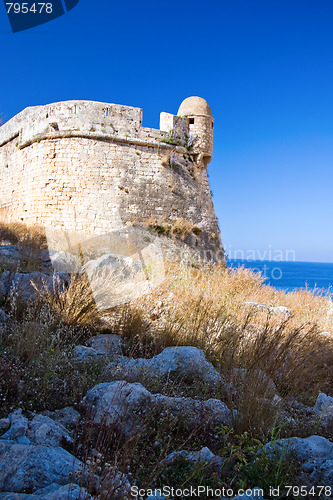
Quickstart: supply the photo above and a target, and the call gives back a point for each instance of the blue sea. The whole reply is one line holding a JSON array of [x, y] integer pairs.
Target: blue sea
[[288, 276]]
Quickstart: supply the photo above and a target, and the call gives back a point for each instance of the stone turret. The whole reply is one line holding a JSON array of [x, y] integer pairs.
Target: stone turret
[[201, 126]]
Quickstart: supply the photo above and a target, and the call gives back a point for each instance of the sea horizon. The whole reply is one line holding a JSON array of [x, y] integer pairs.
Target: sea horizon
[[281, 260], [291, 275]]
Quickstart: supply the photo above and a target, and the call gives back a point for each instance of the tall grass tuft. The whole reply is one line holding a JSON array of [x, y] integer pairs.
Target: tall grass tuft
[[74, 301]]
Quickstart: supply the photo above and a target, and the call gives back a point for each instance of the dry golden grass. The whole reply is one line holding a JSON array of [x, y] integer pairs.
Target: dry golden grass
[[31, 241], [84, 299], [74, 302], [205, 308], [22, 235], [222, 289]]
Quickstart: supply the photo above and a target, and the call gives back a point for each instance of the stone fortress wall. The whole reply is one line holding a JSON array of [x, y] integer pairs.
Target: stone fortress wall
[[87, 168]]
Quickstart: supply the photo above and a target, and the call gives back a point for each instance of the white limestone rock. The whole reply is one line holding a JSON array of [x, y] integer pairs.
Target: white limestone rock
[[42, 430], [324, 404], [324, 408], [256, 306], [103, 345], [182, 363], [313, 447], [84, 353], [315, 454], [53, 492], [65, 262], [281, 311], [328, 335], [129, 405], [66, 417], [18, 428], [204, 455], [10, 253], [22, 283], [116, 484], [278, 310], [113, 264], [108, 344], [33, 467], [265, 386]]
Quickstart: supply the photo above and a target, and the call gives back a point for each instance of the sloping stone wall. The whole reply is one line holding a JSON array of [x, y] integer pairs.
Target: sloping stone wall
[[89, 168]]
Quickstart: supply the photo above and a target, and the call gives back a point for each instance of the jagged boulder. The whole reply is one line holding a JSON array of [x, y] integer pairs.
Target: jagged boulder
[[31, 467], [116, 484], [4, 424], [184, 363], [108, 344], [204, 455], [35, 461], [129, 405], [10, 254], [22, 283], [256, 306], [282, 311], [265, 386], [112, 264], [101, 346], [84, 353], [65, 262], [18, 428], [67, 417], [121, 278], [328, 335], [324, 409], [41, 430], [324, 404], [315, 453]]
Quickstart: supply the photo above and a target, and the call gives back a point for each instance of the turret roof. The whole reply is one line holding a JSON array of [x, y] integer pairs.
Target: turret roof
[[194, 106]]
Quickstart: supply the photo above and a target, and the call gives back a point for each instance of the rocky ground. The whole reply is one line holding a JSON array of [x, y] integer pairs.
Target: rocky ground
[[34, 454], [149, 421]]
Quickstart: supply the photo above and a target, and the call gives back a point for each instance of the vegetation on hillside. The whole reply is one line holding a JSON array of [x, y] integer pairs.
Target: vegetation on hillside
[[257, 352]]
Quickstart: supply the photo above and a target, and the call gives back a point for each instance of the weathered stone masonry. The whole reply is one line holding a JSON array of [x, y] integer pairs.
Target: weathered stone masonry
[[89, 168]]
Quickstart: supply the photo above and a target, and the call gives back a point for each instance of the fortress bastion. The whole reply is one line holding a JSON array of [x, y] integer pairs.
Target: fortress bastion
[[84, 169]]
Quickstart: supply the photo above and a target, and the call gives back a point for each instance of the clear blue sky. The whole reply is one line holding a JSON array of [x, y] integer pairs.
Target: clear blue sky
[[264, 66]]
